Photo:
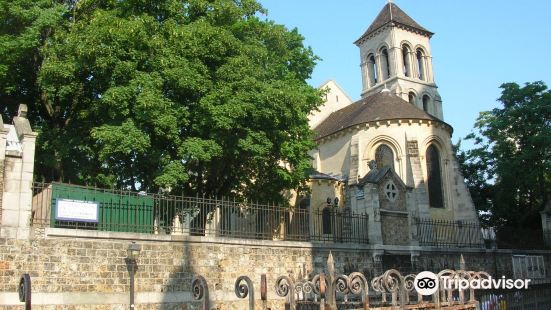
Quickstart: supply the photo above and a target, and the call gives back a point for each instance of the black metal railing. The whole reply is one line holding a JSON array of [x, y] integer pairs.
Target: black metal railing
[[78, 207], [444, 233]]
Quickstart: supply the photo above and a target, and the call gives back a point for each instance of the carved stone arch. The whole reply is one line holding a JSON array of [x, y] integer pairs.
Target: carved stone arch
[[381, 46], [422, 48], [371, 148], [385, 61], [415, 94], [438, 142], [421, 62], [368, 53], [428, 103], [372, 68], [406, 58], [435, 170]]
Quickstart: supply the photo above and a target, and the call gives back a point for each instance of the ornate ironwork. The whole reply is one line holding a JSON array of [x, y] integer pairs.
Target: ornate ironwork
[[285, 287], [243, 288], [200, 290], [263, 287], [25, 290]]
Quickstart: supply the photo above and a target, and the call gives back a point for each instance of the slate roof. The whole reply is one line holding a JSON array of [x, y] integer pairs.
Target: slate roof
[[392, 13], [377, 107], [316, 175], [376, 175]]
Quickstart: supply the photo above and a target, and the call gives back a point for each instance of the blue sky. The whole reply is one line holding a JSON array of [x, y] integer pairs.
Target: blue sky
[[478, 45]]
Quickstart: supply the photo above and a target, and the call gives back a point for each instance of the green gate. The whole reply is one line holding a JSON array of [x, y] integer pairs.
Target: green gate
[[118, 210]]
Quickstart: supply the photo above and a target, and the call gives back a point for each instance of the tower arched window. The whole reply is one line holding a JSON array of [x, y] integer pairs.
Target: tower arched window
[[434, 177], [420, 55], [406, 61], [385, 64], [426, 103], [412, 98], [372, 69], [384, 156]]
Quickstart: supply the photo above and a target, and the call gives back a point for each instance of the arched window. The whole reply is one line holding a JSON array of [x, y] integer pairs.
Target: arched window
[[434, 178], [326, 221], [405, 60], [372, 69], [420, 64], [384, 157], [385, 64], [411, 98], [426, 103]]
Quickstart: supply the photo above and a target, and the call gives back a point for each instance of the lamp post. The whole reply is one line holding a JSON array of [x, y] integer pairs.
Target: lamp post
[[133, 251]]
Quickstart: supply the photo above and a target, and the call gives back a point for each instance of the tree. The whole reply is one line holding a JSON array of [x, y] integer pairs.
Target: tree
[[508, 171], [199, 96]]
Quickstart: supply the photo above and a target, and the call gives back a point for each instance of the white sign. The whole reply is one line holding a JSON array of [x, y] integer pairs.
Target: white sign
[[77, 210]]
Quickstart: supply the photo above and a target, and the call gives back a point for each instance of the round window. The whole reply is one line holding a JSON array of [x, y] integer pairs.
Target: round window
[[391, 191]]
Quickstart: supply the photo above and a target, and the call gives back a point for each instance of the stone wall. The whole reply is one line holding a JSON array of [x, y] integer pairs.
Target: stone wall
[[87, 270]]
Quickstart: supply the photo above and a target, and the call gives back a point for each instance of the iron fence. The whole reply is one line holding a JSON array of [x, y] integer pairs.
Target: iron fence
[[78, 207], [444, 233]]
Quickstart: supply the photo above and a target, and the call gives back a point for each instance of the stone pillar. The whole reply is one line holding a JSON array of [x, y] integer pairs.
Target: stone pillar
[[365, 75], [378, 263], [18, 179], [354, 159], [415, 261]]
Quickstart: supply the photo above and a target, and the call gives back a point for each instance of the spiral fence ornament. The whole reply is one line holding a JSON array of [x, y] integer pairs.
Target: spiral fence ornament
[[392, 280], [305, 287], [200, 290], [25, 290], [377, 285], [285, 287], [444, 295], [243, 288], [358, 285], [318, 287], [341, 284], [409, 286]]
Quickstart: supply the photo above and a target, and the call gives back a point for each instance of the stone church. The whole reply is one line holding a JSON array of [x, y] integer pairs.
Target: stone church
[[389, 155]]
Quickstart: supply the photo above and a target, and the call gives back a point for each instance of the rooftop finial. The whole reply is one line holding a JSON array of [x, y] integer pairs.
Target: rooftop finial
[[390, 8]]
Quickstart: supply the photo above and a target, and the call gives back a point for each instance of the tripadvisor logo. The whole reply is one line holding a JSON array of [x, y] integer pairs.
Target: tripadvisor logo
[[485, 284], [427, 283]]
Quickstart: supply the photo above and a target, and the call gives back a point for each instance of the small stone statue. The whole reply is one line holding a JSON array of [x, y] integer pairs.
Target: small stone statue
[[372, 165]]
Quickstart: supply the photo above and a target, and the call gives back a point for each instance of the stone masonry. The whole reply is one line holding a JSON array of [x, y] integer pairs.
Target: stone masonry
[[70, 272]]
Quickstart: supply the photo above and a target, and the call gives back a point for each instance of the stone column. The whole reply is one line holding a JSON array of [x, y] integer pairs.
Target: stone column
[[415, 261], [18, 181], [365, 75], [378, 263]]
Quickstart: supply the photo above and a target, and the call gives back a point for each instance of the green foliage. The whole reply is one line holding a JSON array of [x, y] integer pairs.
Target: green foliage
[[199, 96], [509, 170]]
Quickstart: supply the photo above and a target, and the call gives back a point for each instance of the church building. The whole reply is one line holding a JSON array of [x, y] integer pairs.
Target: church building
[[389, 155]]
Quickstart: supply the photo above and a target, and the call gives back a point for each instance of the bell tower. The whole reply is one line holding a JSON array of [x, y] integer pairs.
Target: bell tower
[[395, 54]]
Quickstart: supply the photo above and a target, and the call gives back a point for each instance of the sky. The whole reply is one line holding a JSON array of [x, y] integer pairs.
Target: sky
[[477, 46]]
